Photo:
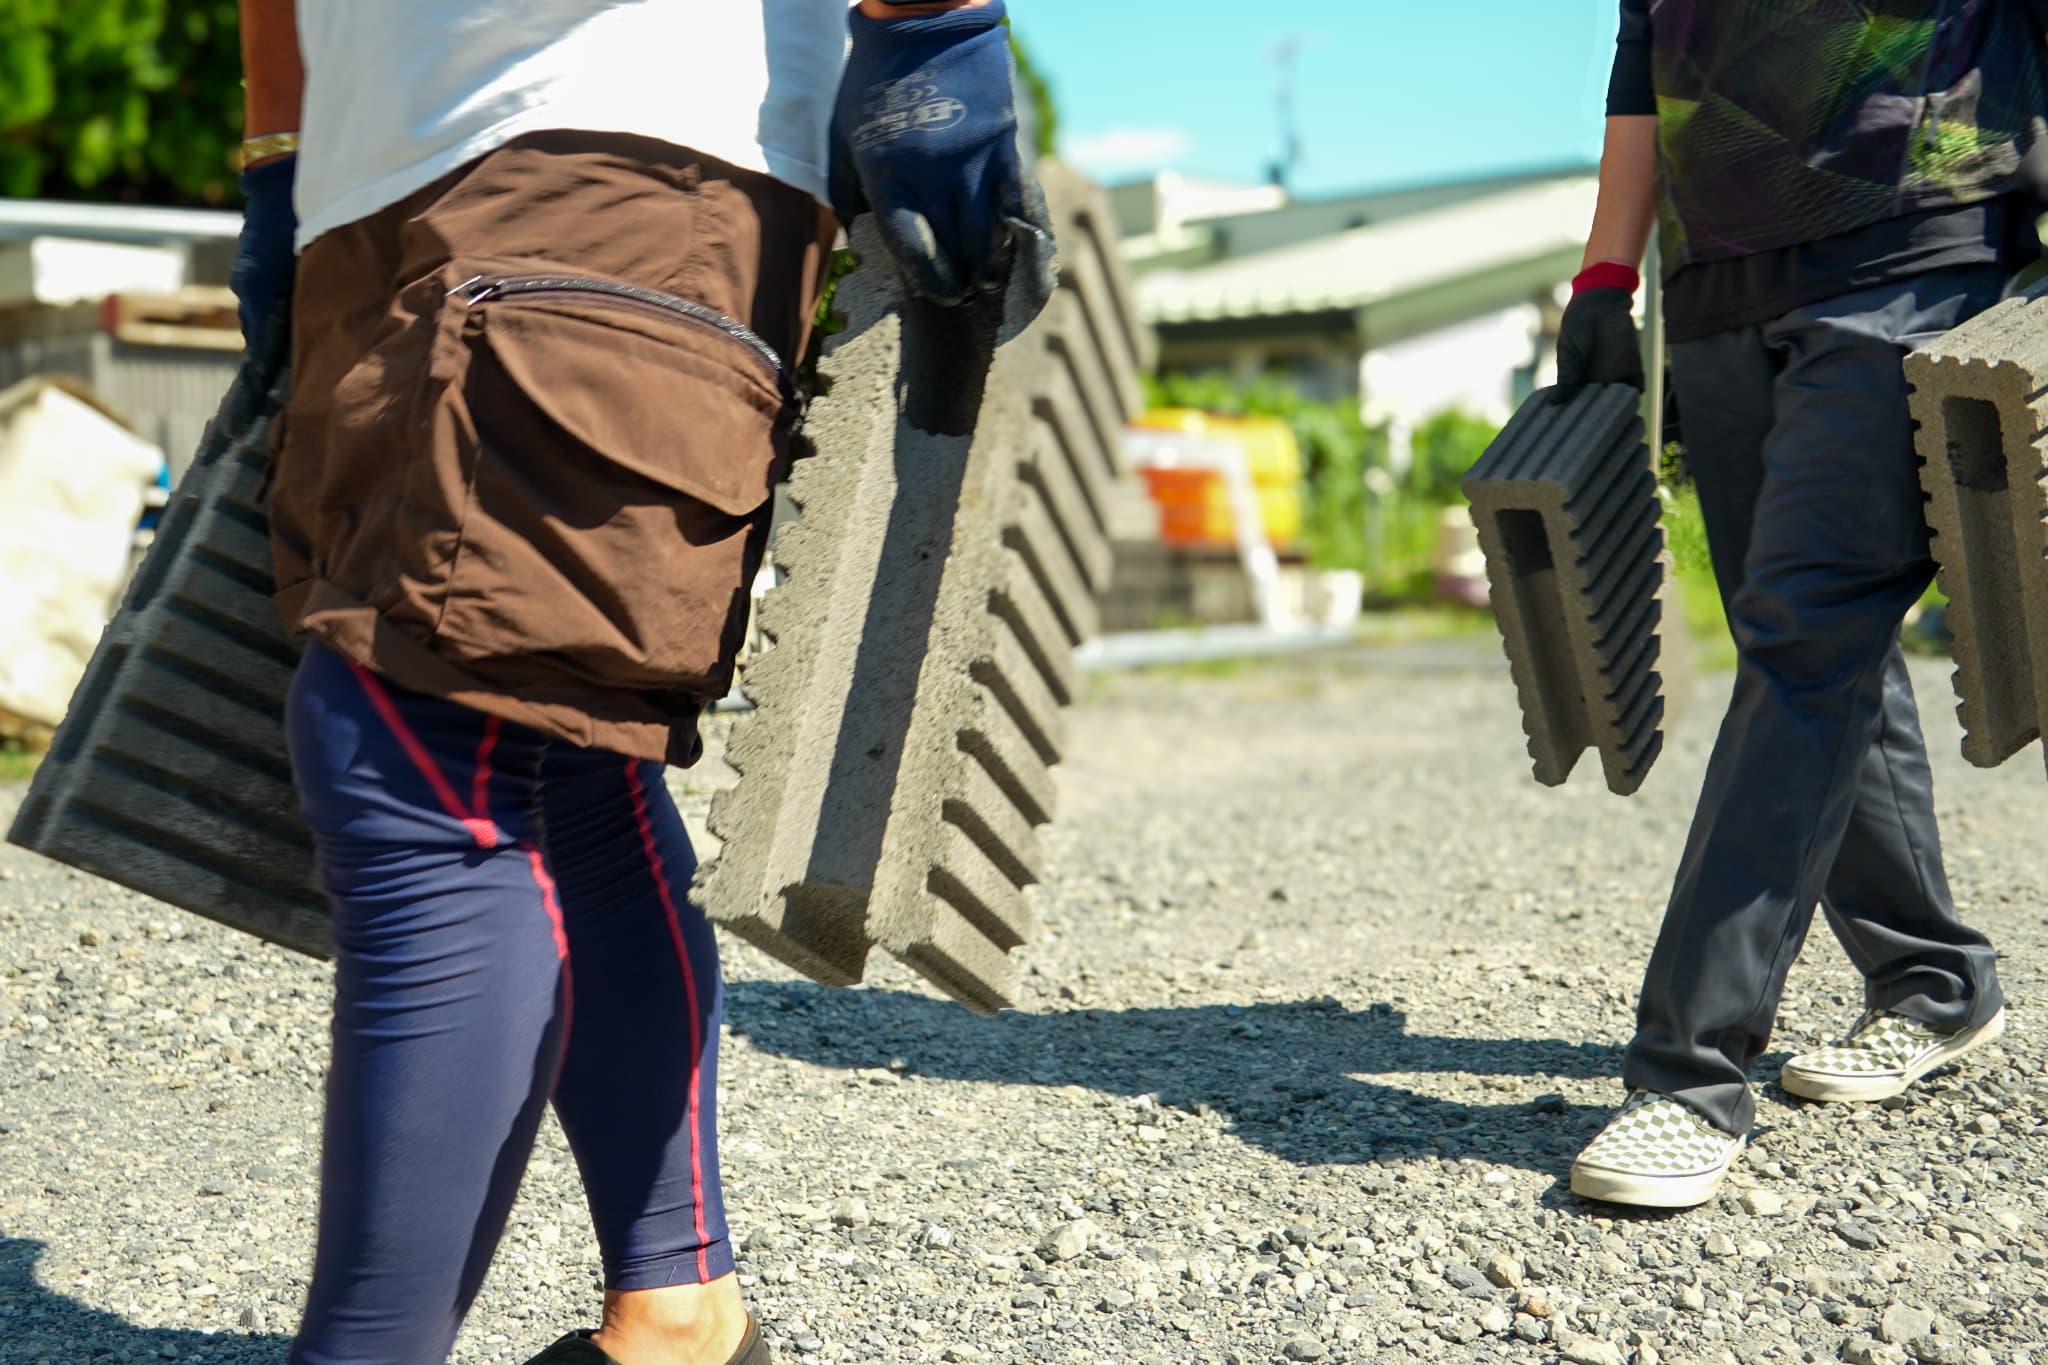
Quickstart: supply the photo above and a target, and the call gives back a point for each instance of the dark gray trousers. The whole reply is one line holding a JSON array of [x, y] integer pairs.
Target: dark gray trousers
[[1819, 789]]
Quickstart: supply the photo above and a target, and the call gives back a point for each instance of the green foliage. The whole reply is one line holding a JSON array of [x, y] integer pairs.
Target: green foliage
[[1046, 117], [18, 761], [119, 99], [1445, 447], [141, 100], [1699, 598], [828, 320], [1390, 534], [1673, 469]]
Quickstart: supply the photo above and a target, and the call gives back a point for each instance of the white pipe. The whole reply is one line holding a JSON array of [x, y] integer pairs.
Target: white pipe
[[1653, 318], [115, 222]]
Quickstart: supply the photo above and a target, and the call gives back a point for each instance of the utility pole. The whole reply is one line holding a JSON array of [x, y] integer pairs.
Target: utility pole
[[1286, 55]]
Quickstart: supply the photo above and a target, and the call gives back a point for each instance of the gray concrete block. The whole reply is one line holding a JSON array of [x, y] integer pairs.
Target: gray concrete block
[[1980, 411], [169, 774], [1567, 511], [1091, 264], [944, 565], [896, 768]]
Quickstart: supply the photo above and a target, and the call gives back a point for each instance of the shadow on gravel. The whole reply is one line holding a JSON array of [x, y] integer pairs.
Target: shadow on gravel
[[1294, 1078], [39, 1324]]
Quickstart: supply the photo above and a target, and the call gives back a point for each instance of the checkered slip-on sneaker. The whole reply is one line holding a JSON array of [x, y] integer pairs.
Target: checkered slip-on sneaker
[[1655, 1153], [1883, 1054]]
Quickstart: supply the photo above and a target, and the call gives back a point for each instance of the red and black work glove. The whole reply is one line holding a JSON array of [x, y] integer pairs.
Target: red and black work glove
[[1597, 341]]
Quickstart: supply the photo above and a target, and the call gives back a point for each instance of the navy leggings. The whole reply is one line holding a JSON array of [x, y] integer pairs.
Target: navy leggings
[[510, 926]]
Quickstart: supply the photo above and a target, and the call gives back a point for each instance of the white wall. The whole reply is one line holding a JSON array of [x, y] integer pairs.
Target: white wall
[[1470, 365]]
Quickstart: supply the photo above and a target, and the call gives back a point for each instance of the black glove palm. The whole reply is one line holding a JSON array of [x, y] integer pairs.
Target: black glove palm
[[1597, 343]]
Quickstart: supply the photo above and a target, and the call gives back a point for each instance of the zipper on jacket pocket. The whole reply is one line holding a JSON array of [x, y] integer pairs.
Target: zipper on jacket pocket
[[480, 289]]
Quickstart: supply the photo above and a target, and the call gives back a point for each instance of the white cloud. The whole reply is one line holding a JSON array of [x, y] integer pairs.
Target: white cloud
[[1120, 151]]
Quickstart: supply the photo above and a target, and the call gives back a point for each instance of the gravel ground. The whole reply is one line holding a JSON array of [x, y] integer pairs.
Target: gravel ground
[[1332, 993]]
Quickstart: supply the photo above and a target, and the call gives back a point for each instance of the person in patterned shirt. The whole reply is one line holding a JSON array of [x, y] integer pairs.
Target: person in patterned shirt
[[1832, 189]]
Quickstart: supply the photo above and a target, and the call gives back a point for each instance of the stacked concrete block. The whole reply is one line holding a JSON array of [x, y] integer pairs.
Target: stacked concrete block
[[169, 773], [941, 571], [948, 557], [1566, 506], [1980, 408]]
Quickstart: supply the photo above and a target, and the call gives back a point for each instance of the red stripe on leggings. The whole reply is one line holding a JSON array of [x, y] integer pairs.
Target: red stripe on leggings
[[478, 823], [480, 789], [553, 905], [675, 933]]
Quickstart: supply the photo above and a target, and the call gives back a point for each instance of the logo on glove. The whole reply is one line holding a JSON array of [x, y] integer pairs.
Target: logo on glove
[[911, 105]]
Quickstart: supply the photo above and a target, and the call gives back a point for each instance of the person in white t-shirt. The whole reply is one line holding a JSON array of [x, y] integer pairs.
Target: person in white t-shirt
[[556, 264]]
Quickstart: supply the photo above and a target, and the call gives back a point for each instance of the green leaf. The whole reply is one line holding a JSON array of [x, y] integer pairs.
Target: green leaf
[[136, 100]]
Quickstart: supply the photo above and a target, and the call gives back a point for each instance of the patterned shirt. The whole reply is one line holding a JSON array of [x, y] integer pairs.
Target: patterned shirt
[[1787, 121]]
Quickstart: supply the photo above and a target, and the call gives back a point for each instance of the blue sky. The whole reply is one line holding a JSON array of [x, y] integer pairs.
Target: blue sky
[[1389, 91]]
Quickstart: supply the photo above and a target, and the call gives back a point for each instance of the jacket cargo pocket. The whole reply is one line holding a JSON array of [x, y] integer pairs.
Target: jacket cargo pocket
[[625, 446]]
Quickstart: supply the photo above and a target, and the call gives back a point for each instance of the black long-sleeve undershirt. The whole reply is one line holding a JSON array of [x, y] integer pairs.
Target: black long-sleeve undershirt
[[1632, 88]]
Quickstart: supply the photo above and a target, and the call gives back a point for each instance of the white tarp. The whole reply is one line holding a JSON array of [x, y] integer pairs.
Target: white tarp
[[72, 482], [59, 270]]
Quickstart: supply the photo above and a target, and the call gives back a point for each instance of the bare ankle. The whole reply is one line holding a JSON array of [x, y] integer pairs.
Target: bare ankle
[[694, 1324]]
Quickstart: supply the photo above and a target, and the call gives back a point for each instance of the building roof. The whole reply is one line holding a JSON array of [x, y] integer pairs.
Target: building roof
[[1522, 225], [1254, 228]]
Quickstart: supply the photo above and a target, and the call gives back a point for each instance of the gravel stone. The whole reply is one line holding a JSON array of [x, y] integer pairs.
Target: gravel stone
[[1466, 1279], [1589, 1351], [1937, 1350], [1288, 1119], [1460, 1331], [1762, 1204], [1070, 1241], [1900, 1324]]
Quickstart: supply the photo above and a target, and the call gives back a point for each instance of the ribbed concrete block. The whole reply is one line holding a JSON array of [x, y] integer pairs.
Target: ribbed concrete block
[[169, 774], [1566, 507], [1091, 264], [897, 765], [1980, 410], [946, 562]]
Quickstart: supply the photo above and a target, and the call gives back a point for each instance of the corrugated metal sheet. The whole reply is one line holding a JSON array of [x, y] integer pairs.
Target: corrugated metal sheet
[[1357, 268], [167, 393]]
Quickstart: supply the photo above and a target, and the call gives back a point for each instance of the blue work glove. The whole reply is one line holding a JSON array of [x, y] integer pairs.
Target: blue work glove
[[925, 138], [265, 257]]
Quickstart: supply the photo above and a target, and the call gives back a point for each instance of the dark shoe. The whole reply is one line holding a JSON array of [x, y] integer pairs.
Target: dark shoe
[[577, 1349], [573, 1349], [753, 1348]]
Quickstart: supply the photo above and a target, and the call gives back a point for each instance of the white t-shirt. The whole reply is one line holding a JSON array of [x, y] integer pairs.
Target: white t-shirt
[[401, 92]]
